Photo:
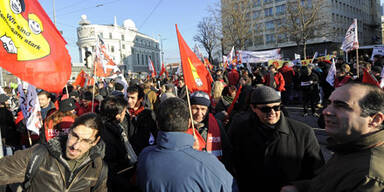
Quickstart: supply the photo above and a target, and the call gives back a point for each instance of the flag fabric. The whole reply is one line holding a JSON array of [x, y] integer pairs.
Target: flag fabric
[[351, 39], [196, 75], [230, 108], [369, 78], [30, 108], [382, 78], [2, 90], [162, 69], [151, 68], [331, 74], [31, 47], [105, 67], [80, 79]]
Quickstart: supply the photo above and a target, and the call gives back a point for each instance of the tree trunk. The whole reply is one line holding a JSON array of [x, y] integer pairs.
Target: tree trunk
[[305, 50]]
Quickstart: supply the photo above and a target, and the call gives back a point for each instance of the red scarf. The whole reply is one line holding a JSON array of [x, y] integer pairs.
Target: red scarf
[[134, 113]]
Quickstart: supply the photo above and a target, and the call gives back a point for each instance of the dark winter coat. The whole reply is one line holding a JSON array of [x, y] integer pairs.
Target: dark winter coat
[[271, 159], [54, 173]]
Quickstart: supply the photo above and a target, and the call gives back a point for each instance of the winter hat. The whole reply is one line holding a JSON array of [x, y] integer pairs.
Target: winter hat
[[87, 96], [67, 105], [3, 98], [200, 98], [264, 95]]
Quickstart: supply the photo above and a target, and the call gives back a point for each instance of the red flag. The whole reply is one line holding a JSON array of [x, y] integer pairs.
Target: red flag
[[369, 79], [151, 68], [32, 48], [230, 108], [105, 67], [196, 75], [80, 79], [162, 70]]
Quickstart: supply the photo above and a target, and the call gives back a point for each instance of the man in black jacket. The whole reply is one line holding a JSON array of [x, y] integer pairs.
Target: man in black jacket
[[270, 150]]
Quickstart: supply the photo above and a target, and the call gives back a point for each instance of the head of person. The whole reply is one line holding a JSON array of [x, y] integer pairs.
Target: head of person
[[343, 70], [265, 103], [272, 68], [83, 135], [119, 86], [4, 100], [355, 109], [173, 115], [306, 71], [86, 98], [113, 108], [135, 95], [67, 105], [199, 105], [44, 98]]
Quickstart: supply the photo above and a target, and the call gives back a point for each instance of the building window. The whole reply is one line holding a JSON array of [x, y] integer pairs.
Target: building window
[[112, 49], [267, 1], [256, 14], [142, 59], [101, 34], [268, 12], [256, 3], [123, 46], [280, 10], [110, 35], [269, 25], [270, 38], [122, 38], [138, 59]]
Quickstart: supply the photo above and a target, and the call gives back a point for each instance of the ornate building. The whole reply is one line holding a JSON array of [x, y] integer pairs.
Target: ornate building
[[127, 47]]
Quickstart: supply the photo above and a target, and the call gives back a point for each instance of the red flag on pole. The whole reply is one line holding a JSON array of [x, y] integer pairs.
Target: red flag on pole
[[196, 75], [105, 67], [369, 79], [151, 68], [162, 69], [31, 47], [80, 79]]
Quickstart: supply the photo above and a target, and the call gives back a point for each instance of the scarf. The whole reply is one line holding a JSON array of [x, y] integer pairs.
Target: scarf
[[134, 113]]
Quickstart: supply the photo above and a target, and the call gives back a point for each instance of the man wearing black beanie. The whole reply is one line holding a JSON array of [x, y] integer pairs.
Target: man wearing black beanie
[[273, 149]]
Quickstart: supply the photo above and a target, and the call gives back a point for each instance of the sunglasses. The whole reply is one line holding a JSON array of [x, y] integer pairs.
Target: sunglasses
[[269, 109]]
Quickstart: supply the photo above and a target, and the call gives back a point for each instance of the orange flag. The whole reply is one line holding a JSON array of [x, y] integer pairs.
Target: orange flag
[[196, 75], [80, 79], [31, 47]]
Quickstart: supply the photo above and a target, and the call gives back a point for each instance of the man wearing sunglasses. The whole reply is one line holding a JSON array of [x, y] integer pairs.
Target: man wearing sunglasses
[[270, 147]]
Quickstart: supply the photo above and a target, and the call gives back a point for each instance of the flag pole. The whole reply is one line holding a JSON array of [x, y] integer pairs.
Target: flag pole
[[94, 82], [357, 50], [190, 115]]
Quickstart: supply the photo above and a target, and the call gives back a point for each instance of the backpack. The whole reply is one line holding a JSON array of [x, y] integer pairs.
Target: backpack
[[146, 102], [37, 159]]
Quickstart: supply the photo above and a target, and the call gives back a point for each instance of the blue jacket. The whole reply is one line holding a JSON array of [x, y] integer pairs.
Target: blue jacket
[[173, 165]]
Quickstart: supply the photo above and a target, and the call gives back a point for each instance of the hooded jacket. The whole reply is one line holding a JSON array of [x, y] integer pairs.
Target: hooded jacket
[[53, 174]]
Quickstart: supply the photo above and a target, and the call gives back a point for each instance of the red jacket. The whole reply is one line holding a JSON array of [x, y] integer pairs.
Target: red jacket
[[288, 74], [279, 79]]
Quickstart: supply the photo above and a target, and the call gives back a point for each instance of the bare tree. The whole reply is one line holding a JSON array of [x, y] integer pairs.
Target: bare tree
[[207, 36], [235, 23], [303, 21]]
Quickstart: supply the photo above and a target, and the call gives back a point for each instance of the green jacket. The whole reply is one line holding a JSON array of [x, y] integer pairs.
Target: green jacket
[[54, 173], [355, 166]]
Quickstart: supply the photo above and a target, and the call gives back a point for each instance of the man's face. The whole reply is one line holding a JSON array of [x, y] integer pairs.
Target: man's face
[[199, 112], [80, 140], [268, 114], [133, 100], [342, 116], [44, 100]]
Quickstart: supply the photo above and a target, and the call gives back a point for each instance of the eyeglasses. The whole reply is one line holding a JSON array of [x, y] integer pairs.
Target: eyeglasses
[[83, 142], [267, 109]]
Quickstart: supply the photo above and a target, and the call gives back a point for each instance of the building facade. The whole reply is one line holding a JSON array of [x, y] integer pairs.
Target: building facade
[[265, 16], [126, 46]]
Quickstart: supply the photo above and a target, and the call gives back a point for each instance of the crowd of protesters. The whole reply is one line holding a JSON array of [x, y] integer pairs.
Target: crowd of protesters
[[147, 139]]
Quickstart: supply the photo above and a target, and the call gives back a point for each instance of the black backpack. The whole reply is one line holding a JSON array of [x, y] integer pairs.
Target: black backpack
[[37, 158]]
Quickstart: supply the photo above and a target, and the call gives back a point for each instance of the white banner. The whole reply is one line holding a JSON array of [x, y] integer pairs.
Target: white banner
[[377, 50], [351, 40], [259, 56], [331, 74], [30, 107]]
